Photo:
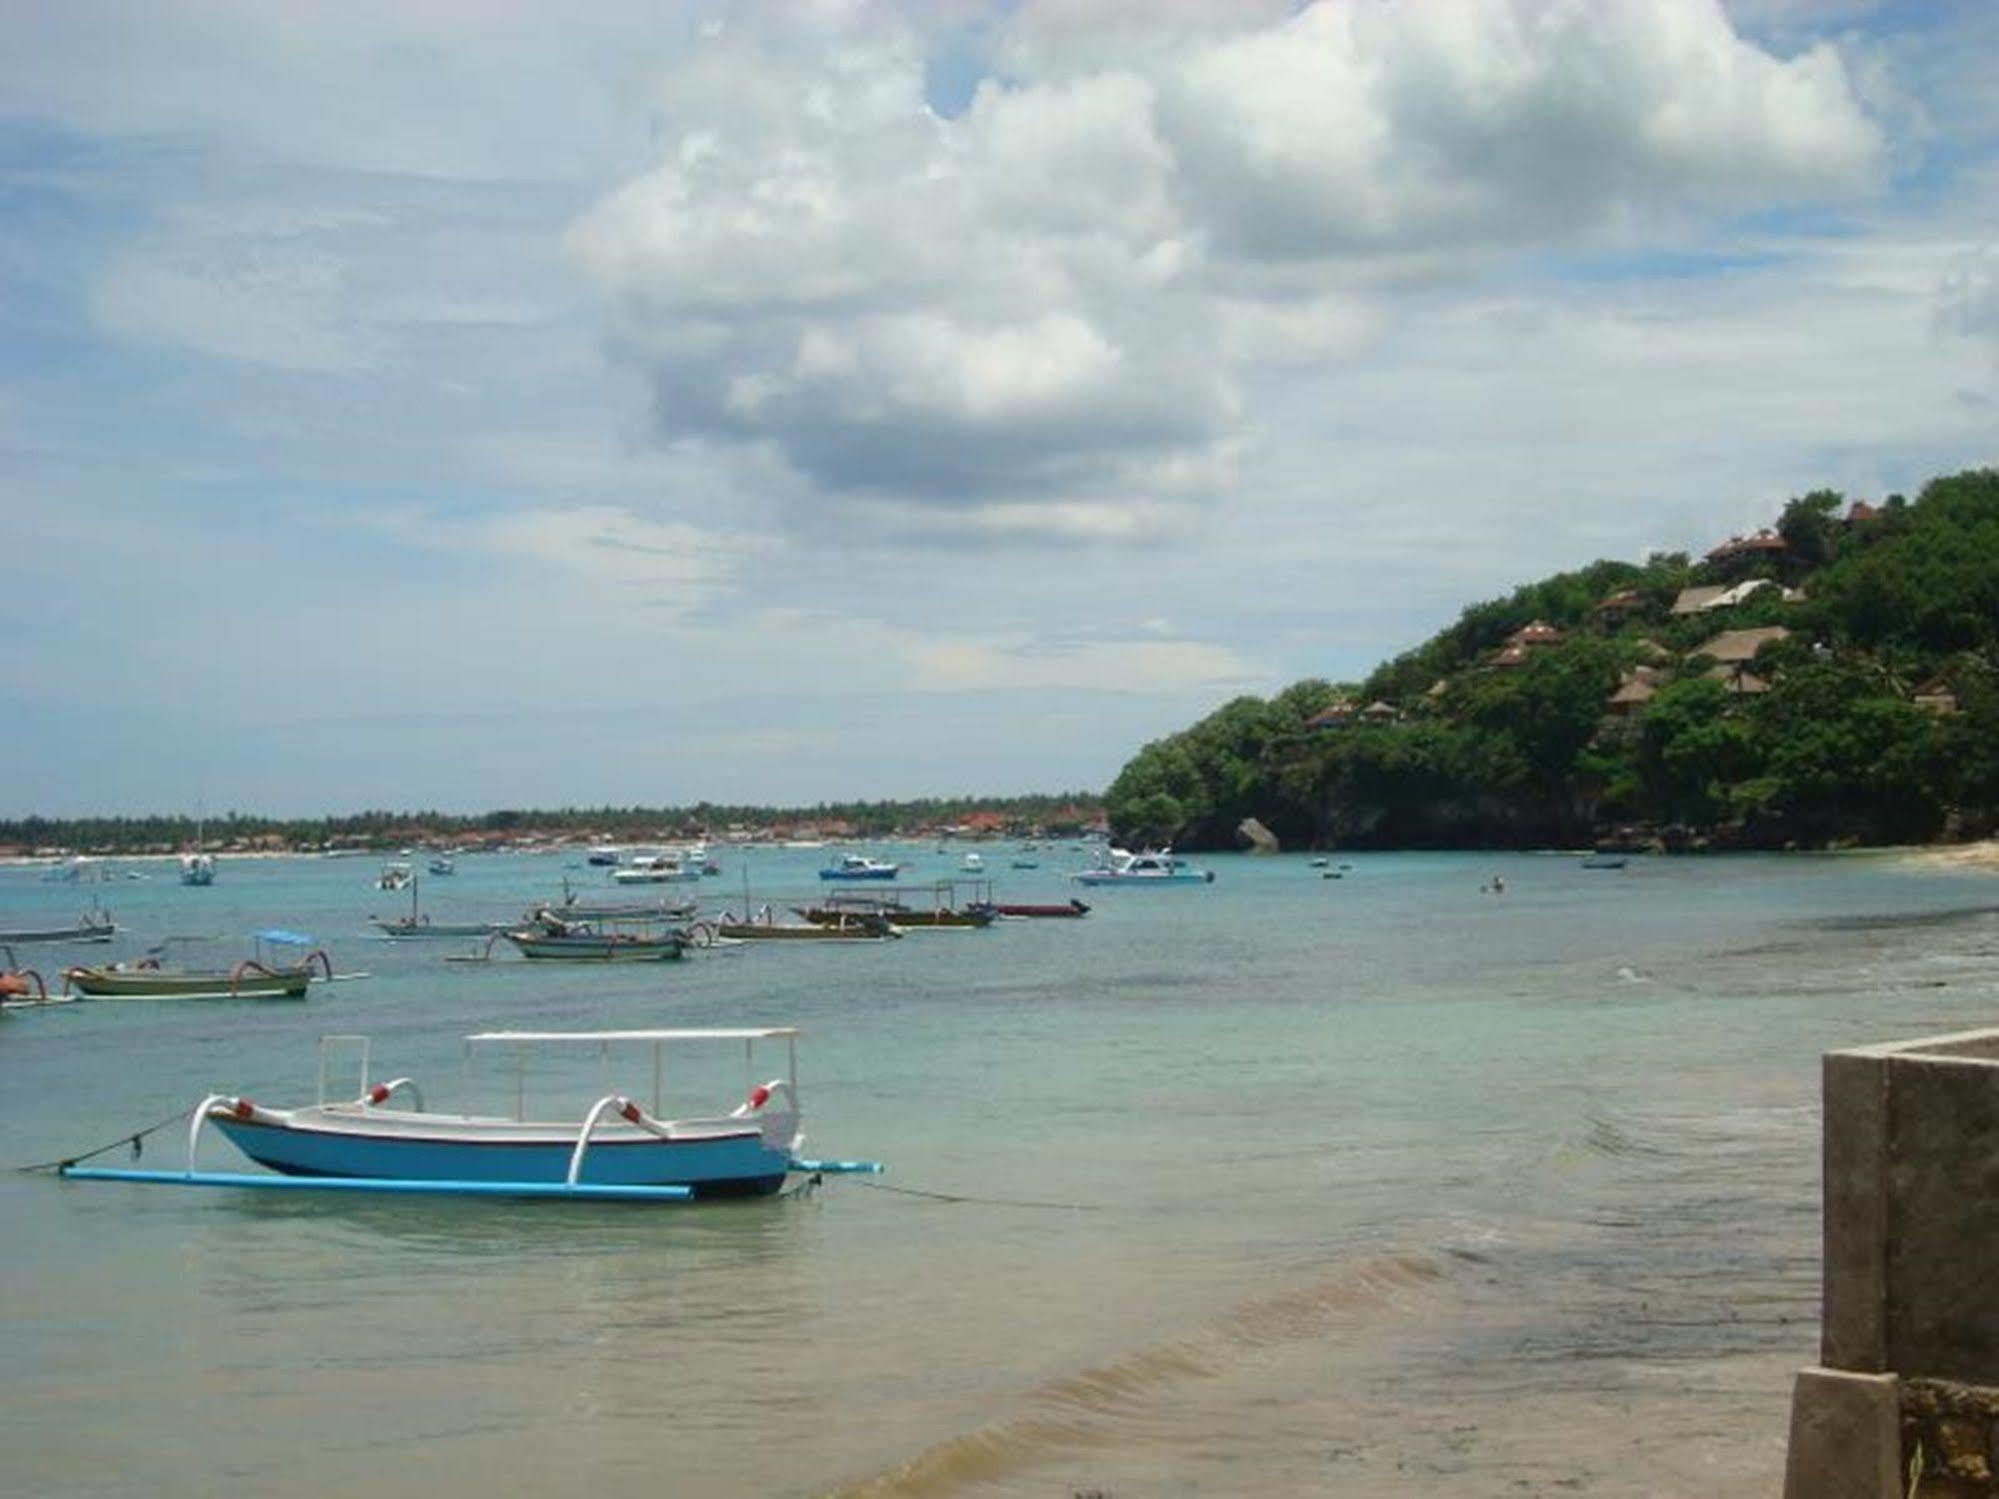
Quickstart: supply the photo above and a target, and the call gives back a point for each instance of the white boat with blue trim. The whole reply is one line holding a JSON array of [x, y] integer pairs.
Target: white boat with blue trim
[[385, 1139], [1152, 867], [860, 867]]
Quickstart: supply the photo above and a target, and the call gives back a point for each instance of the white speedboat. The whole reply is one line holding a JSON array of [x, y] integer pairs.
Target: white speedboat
[[655, 869], [1152, 867], [395, 875], [859, 867], [972, 864], [197, 869]]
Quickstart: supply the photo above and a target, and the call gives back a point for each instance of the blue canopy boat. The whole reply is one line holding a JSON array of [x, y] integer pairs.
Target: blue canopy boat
[[620, 1148]]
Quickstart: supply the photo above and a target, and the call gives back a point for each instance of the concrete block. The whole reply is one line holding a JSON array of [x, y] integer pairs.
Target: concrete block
[[1846, 1437], [1853, 1324]]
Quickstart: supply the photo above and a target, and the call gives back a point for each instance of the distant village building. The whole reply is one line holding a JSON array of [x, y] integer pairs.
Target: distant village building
[[1535, 635], [1536, 632], [1936, 697], [1697, 600], [1706, 600], [1380, 712], [1732, 652], [1619, 607], [1764, 543], [1738, 647], [1859, 513], [1634, 690], [1335, 715]]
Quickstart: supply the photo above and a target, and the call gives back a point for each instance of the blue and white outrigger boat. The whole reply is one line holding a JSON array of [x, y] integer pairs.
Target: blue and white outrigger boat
[[385, 1140]]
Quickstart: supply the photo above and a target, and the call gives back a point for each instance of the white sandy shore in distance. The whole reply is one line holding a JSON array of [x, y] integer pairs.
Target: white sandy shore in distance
[[1981, 855]]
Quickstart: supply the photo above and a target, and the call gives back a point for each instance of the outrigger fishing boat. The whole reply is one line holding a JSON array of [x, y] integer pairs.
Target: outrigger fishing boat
[[1070, 907], [416, 925], [252, 978], [942, 915], [598, 941], [575, 907], [763, 926], [20, 987], [94, 925], [385, 1140]]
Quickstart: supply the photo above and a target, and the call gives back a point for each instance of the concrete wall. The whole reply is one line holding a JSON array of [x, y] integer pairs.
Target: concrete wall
[[1909, 1382]]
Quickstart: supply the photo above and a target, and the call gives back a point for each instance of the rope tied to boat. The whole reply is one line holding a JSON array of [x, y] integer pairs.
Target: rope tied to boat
[[988, 1202], [136, 1140]]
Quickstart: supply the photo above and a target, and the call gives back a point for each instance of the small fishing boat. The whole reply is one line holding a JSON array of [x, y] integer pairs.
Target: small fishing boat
[[197, 869], [1605, 861], [1322, 863], [972, 863], [859, 867], [1152, 867], [598, 942], [443, 864], [395, 875], [763, 926], [655, 869], [94, 925], [604, 855], [574, 908], [417, 925], [943, 913], [1026, 863], [252, 978], [1065, 908], [384, 1139]]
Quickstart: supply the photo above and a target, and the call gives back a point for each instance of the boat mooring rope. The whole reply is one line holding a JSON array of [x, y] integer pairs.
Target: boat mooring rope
[[178, 1116], [989, 1202]]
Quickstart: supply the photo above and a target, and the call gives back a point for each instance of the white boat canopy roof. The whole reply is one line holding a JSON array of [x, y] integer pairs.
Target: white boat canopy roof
[[760, 1033]]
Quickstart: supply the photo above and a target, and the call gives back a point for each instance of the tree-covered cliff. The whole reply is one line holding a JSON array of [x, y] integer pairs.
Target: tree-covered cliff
[[1832, 679]]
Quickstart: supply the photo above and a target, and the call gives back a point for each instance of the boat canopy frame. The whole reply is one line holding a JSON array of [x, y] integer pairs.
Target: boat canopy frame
[[522, 1041]]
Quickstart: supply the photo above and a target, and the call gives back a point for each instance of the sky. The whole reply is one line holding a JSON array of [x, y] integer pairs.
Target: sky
[[459, 405]]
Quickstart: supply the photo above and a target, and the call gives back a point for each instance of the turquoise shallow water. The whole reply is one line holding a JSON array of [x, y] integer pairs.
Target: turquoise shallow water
[[1377, 1185]]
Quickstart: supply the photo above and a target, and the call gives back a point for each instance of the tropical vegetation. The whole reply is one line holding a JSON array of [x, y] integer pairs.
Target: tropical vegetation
[[1854, 699]]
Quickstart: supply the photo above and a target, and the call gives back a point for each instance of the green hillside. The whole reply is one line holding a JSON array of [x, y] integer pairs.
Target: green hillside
[[1832, 680]]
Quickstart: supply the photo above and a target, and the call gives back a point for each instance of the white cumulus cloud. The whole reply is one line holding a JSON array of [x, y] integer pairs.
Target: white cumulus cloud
[[1046, 310]]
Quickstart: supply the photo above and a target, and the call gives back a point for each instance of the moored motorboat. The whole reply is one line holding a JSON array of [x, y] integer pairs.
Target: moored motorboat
[[384, 1139], [656, 869], [859, 867], [395, 875], [197, 869], [1152, 867], [1605, 861]]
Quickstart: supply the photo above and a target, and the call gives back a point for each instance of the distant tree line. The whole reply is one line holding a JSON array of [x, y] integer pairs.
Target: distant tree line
[[384, 829], [1873, 719]]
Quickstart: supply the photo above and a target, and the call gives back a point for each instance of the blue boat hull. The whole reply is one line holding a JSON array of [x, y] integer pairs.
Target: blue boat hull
[[733, 1166], [867, 874]]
